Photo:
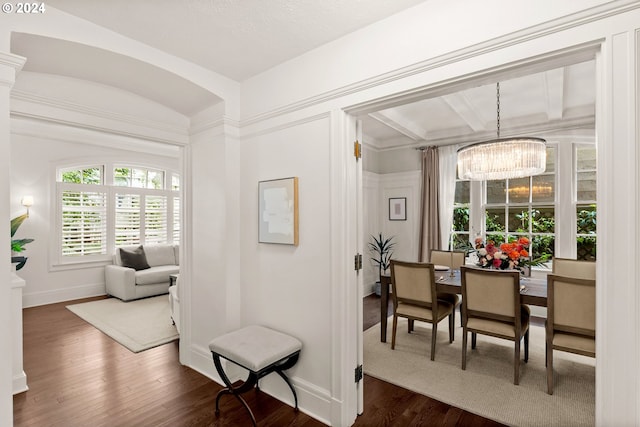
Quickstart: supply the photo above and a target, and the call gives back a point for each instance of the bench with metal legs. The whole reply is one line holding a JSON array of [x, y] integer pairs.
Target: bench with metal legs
[[259, 350]]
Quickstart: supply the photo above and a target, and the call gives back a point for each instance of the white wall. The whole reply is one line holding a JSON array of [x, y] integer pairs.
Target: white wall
[[379, 188], [288, 287]]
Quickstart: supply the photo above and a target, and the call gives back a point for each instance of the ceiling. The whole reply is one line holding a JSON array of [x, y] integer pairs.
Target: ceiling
[[551, 103], [239, 39], [235, 38]]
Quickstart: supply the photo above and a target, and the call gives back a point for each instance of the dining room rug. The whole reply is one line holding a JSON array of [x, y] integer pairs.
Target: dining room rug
[[138, 325], [486, 387]]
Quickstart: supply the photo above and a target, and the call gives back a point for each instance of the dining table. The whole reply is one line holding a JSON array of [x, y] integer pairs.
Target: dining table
[[533, 291]]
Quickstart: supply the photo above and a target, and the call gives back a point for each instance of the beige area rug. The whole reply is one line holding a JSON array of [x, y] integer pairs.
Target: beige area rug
[[138, 325], [486, 387]]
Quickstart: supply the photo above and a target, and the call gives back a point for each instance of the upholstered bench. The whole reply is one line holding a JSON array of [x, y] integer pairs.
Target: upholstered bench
[[261, 351]]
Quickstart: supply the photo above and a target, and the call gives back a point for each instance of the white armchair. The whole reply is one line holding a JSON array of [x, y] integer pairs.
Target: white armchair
[[174, 303]]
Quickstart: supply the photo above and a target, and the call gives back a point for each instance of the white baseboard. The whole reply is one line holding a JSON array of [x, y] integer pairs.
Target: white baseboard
[[20, 383], [59, 295], [312, 400]]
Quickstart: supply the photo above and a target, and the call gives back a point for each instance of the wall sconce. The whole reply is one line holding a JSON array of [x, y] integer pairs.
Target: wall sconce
[[27, 202]]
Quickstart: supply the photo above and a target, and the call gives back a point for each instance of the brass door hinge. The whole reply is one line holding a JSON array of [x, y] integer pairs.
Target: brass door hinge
[[357, 150]]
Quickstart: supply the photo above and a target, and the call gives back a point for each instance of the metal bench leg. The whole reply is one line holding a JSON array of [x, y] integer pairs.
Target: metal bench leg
[[246, 386], [290, 362]]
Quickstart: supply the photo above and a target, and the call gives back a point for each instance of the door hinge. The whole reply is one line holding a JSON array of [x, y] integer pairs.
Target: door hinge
[[357, 150], [357, 262], [358, 373]]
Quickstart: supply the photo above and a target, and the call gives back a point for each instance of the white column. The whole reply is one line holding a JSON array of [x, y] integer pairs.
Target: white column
[[618, 294], [9, 66], [19, 376]]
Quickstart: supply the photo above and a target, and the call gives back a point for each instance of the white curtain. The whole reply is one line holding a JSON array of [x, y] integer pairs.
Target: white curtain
[[447, 187]]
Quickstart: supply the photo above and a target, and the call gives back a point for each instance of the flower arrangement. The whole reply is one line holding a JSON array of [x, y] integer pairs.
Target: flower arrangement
[[507, 256]]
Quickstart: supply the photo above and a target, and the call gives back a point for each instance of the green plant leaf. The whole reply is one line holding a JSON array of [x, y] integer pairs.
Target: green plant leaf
[[17, 222]]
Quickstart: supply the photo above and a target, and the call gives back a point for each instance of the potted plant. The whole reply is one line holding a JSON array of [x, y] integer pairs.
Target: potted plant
[[382, 248], [17, 245]]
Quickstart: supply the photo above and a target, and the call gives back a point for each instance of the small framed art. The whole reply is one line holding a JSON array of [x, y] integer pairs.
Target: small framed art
[[278, 211], [398, 209]]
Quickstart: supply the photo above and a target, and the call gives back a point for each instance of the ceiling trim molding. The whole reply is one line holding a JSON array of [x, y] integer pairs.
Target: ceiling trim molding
[[70, 132], [103, 130], [579, 53], [225, 124], [287, 125], [12, 61], [541, 130], [18, 95]]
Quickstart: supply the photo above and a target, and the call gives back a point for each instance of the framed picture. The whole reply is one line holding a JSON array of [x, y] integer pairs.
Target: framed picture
[[278, 211], [398, 209]]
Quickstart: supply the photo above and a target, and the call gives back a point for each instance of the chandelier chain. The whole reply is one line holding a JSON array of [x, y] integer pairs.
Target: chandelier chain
[[498, 107]]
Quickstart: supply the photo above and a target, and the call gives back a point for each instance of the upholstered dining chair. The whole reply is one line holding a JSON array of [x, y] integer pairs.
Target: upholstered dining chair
[[414, 298], [454, 260], [491, 306], [574, 268], [571, 319]]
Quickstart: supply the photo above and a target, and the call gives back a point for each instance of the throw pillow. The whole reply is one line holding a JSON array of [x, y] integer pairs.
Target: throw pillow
[[135, 259]]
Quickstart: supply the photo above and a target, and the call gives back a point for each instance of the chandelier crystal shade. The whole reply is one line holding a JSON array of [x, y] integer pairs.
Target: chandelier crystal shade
[[502, 158]]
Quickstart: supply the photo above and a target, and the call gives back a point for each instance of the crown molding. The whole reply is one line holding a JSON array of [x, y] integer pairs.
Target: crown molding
[[542, 130], [225, 125], [70, 132], [100, 113], [11, 60]]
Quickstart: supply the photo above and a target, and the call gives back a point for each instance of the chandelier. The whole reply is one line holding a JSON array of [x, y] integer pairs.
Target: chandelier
[[502, 158]]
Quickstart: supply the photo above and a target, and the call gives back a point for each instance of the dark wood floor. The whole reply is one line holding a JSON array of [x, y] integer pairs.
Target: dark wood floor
[[79, 377]]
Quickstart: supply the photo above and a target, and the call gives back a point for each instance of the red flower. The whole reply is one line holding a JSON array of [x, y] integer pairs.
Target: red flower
[[497, 262]]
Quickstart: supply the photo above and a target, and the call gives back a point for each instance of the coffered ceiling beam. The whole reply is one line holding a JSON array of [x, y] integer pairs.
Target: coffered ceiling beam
[[395, 120], [461, 106], [553, 82]]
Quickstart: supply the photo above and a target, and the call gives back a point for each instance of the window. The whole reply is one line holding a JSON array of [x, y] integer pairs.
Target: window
[[555, 210], [524, 207], [94, 217], [461, 206], [83, 212], [83, 221], [585, 202], [127, 215], [138, 178]]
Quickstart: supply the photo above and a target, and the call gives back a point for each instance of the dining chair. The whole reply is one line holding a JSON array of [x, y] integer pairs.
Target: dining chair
[[491, 306], [571, 319], [574, 268], [454, 260], [414, 298]]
